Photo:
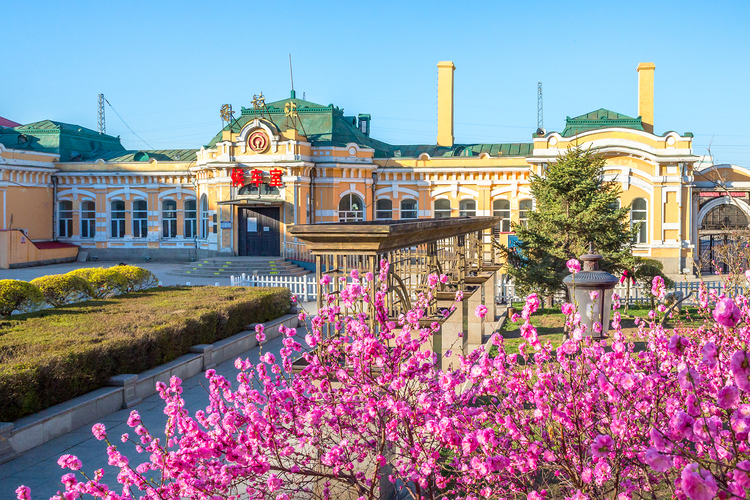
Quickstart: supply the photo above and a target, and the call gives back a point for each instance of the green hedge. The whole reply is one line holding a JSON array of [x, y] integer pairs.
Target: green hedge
[[17, 295], [54, 355], [104, 282], [137, 277], [59, 289]]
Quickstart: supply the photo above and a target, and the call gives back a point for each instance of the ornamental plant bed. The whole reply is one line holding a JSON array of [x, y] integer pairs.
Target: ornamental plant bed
[[51, 356]]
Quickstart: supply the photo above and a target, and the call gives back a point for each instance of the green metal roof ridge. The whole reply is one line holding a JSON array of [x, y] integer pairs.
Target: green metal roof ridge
[[599, 119]]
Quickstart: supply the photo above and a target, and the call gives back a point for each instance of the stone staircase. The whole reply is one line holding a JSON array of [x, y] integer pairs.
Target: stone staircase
[[224, 267]]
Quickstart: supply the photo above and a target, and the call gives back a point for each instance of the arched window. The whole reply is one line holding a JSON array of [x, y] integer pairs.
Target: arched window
[[524, 209], [252, 189], [384, 209], [117, 219], [169, 219], [88, 219], [442, 209], [190, 218], [351, 208], [204, 216], [65, 219], [725, 217], [140, 219], [639, 215], [408, 209], [467, 208], [501, 208]]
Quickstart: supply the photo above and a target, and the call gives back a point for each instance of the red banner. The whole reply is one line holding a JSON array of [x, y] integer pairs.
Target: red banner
[[717, 194]]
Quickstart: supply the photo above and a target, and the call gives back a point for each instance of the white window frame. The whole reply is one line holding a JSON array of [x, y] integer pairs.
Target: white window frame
[[407, 213], [141, 223], [444, 212], [190, 223], [383, 213], [523, 213], [643, 231], [65, 219], [88, 223], [467, 212], [504, 225], [168, 223], [117, 224]]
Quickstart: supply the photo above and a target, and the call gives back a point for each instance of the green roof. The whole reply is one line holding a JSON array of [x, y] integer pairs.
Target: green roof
[[510, 149], [322, 125], [149, 154], [601, 118], [327, 126], [71, 142]]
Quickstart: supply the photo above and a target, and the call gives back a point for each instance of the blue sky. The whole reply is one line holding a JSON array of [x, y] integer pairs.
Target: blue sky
[[167, 67]]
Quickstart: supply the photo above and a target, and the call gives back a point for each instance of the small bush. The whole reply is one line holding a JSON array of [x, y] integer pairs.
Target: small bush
[[51, 356], [104, 282], [59, 289], [17, 295], [137, 277]]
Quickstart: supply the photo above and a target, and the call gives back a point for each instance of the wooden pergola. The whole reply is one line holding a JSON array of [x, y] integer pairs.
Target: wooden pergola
[[457, 247]]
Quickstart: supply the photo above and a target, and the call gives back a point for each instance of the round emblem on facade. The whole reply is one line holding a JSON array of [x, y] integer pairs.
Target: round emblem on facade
[[258, 141]]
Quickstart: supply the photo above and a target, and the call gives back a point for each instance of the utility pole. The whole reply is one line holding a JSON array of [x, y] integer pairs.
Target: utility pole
[[102, 124], [539, 109]]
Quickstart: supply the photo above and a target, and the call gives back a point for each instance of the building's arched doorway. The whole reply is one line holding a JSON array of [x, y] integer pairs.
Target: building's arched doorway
[[723, 235]]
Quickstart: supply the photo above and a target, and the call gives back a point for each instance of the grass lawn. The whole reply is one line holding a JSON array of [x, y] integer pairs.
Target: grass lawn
[[550, 324], [51, 356]]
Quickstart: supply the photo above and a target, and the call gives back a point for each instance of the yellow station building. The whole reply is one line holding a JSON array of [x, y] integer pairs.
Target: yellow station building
[[65, 187]]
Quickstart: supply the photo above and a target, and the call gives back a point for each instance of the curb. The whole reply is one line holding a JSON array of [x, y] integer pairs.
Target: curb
[[125, 391]]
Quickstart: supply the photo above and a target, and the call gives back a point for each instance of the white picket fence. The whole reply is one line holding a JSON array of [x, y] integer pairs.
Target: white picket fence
[[506, 291], [303, 287]]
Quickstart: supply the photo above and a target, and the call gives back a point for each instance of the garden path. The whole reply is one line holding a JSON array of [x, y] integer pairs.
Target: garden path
[[37, 468]]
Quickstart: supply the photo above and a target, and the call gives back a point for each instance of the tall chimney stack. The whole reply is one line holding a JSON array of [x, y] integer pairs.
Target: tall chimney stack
[[646, 95], [445, 103]]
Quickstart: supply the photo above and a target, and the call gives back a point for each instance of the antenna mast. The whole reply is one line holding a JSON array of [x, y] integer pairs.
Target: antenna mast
[[291, 76], [101, 123], [539, 109]]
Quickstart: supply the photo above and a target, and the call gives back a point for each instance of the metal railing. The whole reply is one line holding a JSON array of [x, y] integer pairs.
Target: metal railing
[[295, 250], [506, 292]]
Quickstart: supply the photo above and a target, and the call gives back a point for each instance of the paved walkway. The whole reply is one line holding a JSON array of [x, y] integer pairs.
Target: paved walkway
[[37, 468], [160, 269]]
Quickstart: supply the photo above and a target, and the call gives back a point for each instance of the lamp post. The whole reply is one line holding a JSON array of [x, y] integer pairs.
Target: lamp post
[[581, 285]]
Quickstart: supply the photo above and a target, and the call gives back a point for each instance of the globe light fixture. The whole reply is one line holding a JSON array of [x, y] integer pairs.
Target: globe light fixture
[[591, 290]]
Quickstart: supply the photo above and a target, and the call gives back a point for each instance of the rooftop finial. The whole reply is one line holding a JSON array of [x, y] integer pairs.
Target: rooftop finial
[[291, 77]]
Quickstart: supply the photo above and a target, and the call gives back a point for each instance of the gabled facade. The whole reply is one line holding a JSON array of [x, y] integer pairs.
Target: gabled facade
[[297, 162]]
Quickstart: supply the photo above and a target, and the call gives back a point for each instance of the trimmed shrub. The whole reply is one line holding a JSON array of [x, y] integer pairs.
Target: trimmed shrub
[[17, 295], [104, 282], [137, 277], [59, 289], [50, 356]]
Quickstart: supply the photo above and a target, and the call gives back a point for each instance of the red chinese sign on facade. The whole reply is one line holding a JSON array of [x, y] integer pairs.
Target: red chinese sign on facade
[[716, 194], [256, 177], [238, 177], [276, 178]]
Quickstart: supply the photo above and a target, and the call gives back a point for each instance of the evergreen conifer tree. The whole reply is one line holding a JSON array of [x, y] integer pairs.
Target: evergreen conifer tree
[[573, 206]]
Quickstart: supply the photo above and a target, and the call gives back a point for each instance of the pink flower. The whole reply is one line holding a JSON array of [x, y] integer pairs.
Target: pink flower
[[23, 493], [574, 266], [726, 312], [747, 274], [741, 473], [69, 462], [459, 296], [740, 367], [481, 311], [678, 344], [443, 279], [135, 419], [354, 274], [259, 329], [325, 280], [99, 431], [268, 358], [602, 446], [568, 309], [657, 461], [594, 294], [658, 289], [698, 483], [681, 425], [709, 354], [688, 378], [433, 280], [728, 397]]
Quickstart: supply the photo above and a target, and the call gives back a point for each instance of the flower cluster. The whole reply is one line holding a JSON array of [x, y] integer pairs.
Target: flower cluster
[[358, 408]]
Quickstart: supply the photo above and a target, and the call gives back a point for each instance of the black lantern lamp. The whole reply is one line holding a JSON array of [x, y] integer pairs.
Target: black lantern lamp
[[580, 286]]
